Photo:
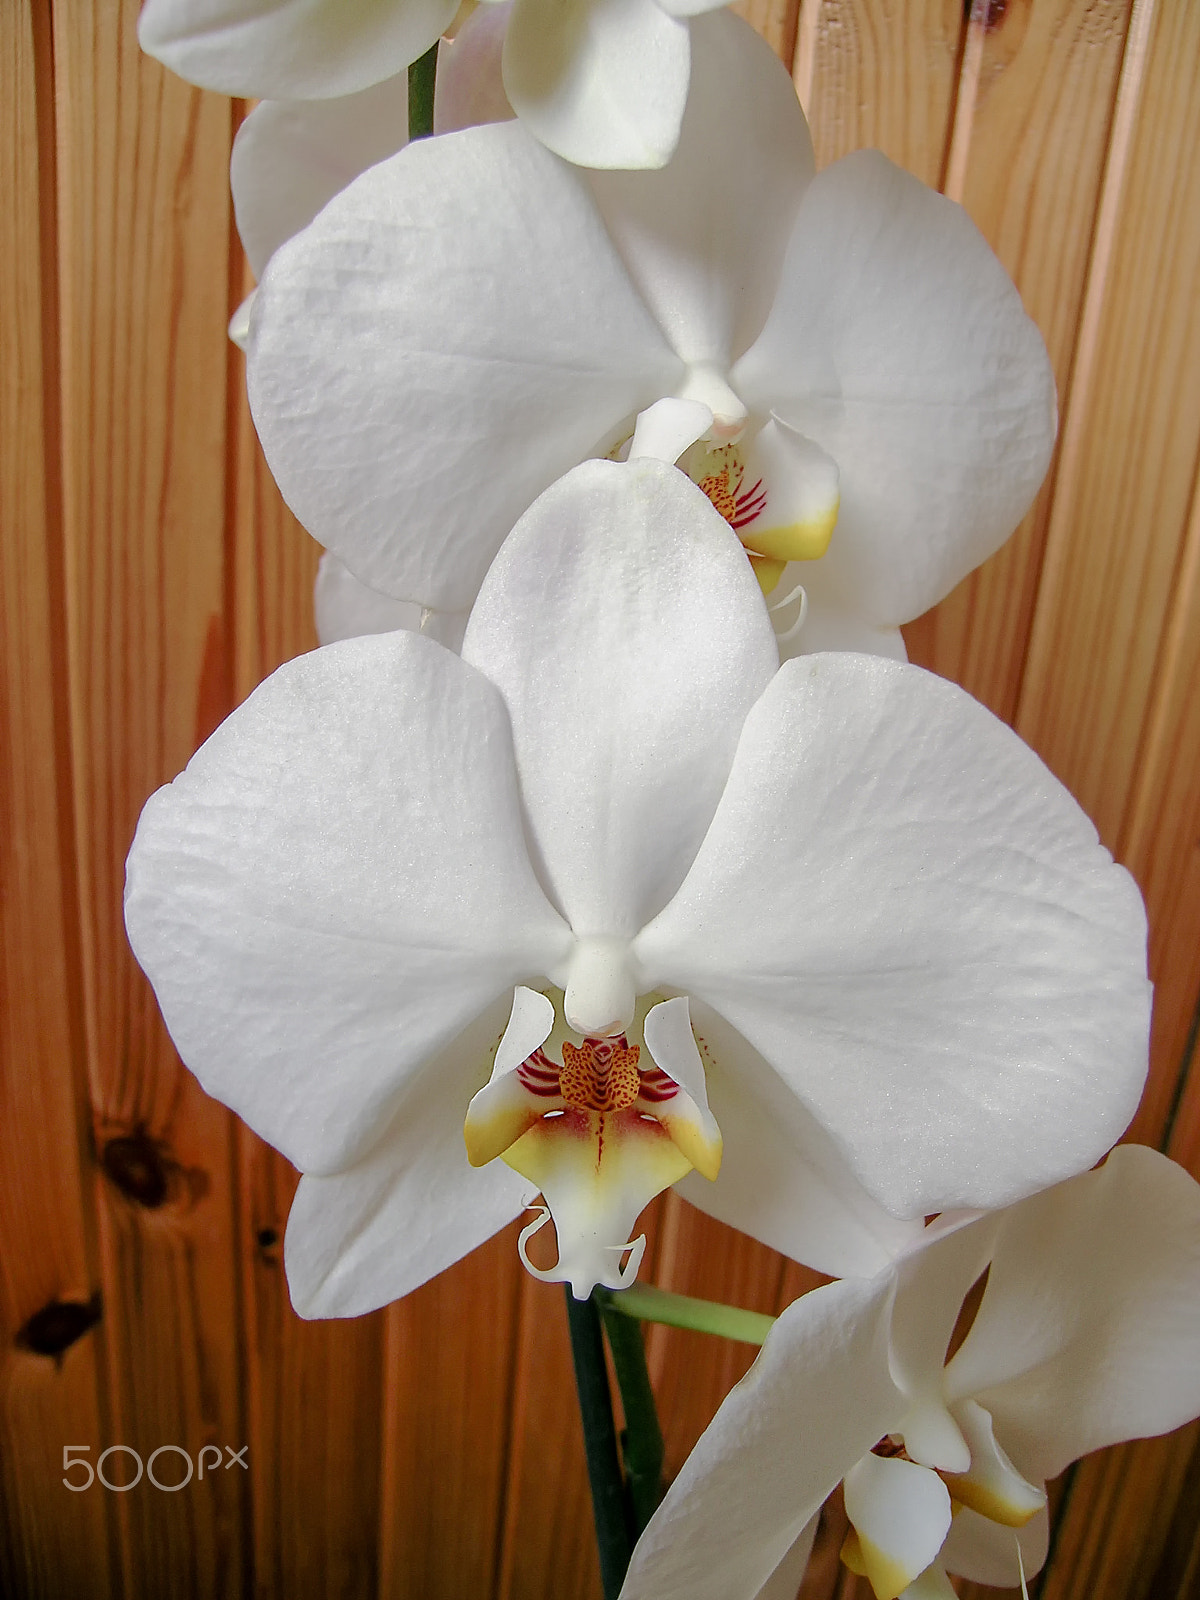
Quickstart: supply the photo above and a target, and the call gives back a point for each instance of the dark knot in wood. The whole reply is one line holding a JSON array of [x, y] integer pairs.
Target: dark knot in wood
[[57, 1326], [138, 1166]]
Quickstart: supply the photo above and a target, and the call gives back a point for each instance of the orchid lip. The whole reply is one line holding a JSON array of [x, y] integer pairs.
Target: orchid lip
[[599, 1128]]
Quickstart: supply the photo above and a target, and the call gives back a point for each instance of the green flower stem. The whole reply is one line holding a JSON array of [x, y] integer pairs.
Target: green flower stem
[[422, 76], [648, 1304], [600, 1443], [642, 1441]]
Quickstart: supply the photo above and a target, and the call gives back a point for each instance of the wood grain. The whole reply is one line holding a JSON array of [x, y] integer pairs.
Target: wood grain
[[1130, 449], [51, 1393], [1032, 119], [151, 576], [869, 72], [144, 257], [547, 1547], [451, 1358]]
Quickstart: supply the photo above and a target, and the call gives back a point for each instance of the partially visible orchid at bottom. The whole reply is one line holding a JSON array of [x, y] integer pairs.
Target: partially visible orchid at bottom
[[621, 897], [1086, 1334]]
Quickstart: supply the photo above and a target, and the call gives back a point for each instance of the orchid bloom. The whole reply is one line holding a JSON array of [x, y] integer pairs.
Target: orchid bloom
[[834, 916], [1086, 1335], [602, 82], [851, 370], [290, 157]]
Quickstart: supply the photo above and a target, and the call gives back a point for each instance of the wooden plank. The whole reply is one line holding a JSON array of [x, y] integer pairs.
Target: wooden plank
[[1130, 446], [1033, 117], [51, 1541], [314, 1397], [451, 1355], [873, 73], [1113, 1529], [1161, 843], [144, 240]]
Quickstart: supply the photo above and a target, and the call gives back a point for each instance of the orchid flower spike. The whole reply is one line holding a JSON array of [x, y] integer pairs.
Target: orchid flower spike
[[851, 377], [1086, 1335], [602, 82], [616, 891]]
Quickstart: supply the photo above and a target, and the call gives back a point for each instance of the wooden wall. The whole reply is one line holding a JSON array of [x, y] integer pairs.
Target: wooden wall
[[150, 577]]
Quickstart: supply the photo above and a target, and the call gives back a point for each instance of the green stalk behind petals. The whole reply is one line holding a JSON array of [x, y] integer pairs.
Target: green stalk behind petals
[[642, 1440], [648, 1304], [600, 1443], [422, 76]]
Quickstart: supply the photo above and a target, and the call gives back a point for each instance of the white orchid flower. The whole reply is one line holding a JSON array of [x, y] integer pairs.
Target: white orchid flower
[[290, 157], [1086, 1335], [602, 82], [836, 915], [841, 346]]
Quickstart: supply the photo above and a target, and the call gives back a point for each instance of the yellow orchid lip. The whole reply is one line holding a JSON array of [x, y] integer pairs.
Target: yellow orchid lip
[[741, 481], [888, 1578], [796, 541], [767, 571], [600, 1135]]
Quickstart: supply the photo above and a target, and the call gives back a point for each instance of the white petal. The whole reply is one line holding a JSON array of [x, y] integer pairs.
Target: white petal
[[829, 625], [912, 920], [816, 1399], [933, 1282], [291, 157], [451, 334], [335, 888], [898, 343], [932, 1584], [290, 49], [413, 1206], [624, 628], [1087, 1331], [985, 1552], [601, 82], [347, 609], [785, 1580], [901, 1514], [782, 1179], [704, 239], [469, 89], [690, 8]]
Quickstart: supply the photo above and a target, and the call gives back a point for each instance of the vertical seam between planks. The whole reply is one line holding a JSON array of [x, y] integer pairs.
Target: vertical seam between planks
[[960, 120]]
